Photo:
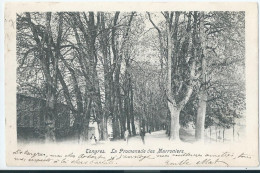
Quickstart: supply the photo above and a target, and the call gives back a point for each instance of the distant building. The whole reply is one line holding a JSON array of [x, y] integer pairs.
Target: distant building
[[30, 118]]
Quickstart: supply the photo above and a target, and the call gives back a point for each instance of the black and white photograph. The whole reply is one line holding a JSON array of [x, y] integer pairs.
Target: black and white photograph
[[131, 79], [86, 76]]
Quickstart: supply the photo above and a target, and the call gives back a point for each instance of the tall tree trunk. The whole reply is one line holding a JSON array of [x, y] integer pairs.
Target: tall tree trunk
[[174, 131], [94, 60], [107, 74], [116, 128], [108, 78], [49, 117], [104, 121], [99, 110], [140, 123], [51, 97], [84, 127], [132, 112], [175, 126], [117, 104], [126, 107], [132, 108], [201, 112], [121, 116], [107, 104], [128, 119]]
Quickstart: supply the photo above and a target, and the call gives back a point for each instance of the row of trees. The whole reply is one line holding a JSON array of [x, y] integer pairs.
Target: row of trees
[[82, 59], [202, 68], [104, 65]]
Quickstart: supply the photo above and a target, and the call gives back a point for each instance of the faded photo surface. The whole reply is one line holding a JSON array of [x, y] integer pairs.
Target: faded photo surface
[[132, 84]]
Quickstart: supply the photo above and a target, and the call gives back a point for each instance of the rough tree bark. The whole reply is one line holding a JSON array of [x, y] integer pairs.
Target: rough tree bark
[[174, 107], [202, 95], [132, 108]]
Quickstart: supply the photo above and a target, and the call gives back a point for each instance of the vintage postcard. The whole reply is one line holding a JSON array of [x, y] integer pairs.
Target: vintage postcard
[[100, 84]]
